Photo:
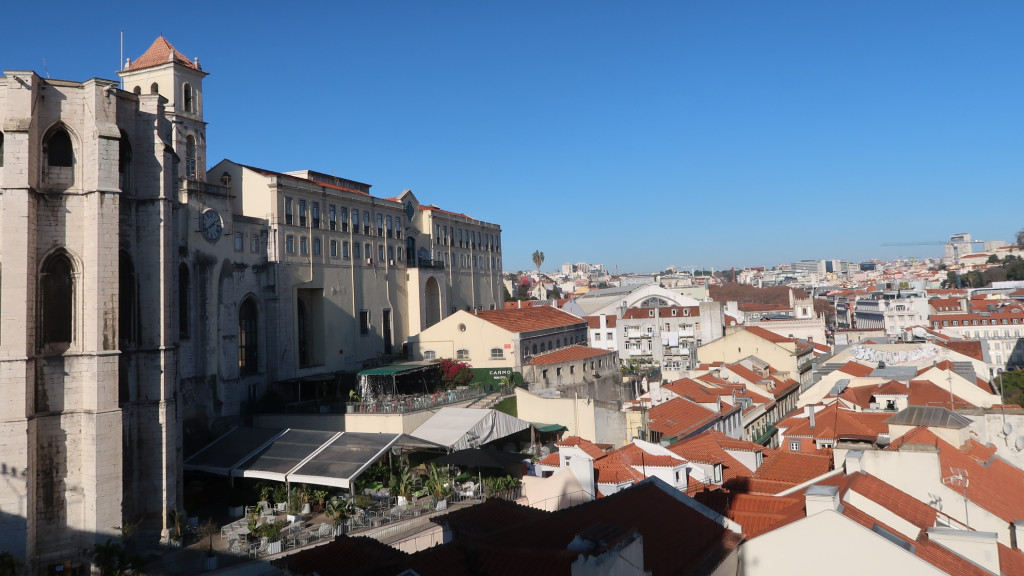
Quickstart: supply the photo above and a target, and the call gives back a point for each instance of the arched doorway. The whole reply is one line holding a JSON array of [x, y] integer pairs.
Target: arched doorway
[[432, 302]]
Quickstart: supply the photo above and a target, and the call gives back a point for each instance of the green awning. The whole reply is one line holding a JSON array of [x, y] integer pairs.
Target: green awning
[[393, 369], [541, 427]]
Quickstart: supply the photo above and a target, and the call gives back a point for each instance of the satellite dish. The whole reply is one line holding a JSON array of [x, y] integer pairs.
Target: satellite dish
[[1007, 428], [1019, 444]]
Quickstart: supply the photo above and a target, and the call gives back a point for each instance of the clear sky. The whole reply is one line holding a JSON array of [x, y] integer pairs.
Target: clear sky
[[634, 134]]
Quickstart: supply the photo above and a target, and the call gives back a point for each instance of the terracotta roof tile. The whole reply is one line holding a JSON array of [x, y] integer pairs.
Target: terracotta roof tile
[[587, 446], [679, 416], [568, 355], [794, 467], [836, 423], [529, 319], [594, 322], [161, 52]]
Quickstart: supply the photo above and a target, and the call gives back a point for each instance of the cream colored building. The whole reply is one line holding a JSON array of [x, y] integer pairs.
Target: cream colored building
[[790, 356], [499, 338]]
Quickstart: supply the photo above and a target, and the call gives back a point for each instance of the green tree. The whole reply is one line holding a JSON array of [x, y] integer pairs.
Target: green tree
[[538, 259], [993, 259]]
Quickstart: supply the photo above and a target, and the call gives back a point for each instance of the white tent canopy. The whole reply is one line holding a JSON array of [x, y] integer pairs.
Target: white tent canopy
[[289, 455], [460, 428]]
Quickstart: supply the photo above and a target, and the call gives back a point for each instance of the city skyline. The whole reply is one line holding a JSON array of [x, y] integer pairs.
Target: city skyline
[[636, 137]]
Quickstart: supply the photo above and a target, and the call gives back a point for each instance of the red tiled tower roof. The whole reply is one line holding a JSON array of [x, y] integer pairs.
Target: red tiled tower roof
[[161, 52]]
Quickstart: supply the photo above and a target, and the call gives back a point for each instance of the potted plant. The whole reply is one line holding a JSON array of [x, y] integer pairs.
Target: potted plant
[[437, 484], [206, 531], [176, 534], [353, 399], [320, 497]]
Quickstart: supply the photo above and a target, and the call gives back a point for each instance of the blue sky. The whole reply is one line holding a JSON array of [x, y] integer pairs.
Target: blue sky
[[637, 135]]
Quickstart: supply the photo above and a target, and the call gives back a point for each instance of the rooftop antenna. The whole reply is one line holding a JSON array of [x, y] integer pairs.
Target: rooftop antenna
[[958, 477]]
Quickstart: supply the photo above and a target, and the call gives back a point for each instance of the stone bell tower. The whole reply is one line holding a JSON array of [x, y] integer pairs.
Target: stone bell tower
[[165, 71]]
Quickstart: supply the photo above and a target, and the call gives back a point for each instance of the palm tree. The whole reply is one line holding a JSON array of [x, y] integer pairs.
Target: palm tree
[[538, 259]]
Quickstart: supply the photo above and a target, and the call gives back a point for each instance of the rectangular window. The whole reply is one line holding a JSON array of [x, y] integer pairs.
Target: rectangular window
[[391, 253], [380, 252], [316, 247], [367, 251], [303, 245], [794, 445], [255, 243], [364, 322], [344, 219], [380, 224], [239, 242], [597, 336], [399, 252], [287, 210], [391, 230], [316, 214], [398, 226], [366, 222], [334, 248], [332, 214], [302, 212], [355, 250], [289, 243], [344, 249]]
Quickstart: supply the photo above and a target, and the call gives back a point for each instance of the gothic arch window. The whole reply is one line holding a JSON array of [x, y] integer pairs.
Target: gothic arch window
[[1, 149], [190, 157], [248, 326], [154, 88], [59, 150], [183, 293], [56, 299], [124, 163], [188, 98], [128, 309], [137, 91]]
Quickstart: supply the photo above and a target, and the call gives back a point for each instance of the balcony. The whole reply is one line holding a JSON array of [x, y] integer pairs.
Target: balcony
[[427, 263]]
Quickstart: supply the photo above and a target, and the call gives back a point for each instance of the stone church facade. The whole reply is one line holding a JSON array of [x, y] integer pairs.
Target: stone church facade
[[138, 291]]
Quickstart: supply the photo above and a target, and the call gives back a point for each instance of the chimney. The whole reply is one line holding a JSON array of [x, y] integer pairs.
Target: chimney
[[1017, 534], [978, 547], [809, 410], [819, 498]]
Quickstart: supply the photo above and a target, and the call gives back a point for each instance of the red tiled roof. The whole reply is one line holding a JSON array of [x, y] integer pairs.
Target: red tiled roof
[[587, 446], [711, 447], [971, 348], [995, 484], [161, 52], [891, 498], [529, 319], [794, 467], [760, 513], [552, 459], [768, 335], [856, 369], [568, 355], [594, 322], [835, 423], [692, 389], [679, 416]]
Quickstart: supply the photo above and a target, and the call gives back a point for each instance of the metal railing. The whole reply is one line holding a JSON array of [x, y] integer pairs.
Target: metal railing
[[404, 404]]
